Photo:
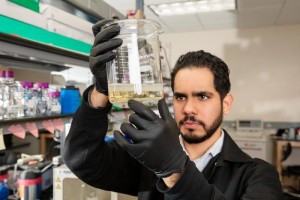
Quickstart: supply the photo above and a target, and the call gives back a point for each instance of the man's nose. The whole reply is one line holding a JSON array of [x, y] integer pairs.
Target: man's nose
[[190, 107]]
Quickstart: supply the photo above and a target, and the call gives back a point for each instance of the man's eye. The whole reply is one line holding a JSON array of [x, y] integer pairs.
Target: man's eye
[[180, 98], [203, 97]]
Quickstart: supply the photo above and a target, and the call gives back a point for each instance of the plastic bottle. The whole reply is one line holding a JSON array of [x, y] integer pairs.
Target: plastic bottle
[[29, 99], [70, 99], [13, 97], [54, 104], [42, 98], [4, 191]]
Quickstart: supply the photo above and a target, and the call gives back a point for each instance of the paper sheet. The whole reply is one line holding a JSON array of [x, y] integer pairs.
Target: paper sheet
[[48, 125], [17, 130], [31, 126], [2, 145], [59, 124]]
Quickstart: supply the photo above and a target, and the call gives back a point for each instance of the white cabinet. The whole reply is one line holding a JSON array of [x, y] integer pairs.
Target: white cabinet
[[255, 146], [256, 149], [67, 186]]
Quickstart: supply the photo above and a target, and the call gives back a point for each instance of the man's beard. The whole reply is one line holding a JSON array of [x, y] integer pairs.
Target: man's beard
[[209, 130]]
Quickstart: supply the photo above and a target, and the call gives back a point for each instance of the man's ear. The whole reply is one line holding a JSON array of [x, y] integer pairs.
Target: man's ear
[[227, 102]]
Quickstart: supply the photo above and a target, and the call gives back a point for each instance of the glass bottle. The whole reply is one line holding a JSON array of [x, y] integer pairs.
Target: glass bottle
[[2, 110], [42, 98], [29, 99], [54, 104], [13, 97]]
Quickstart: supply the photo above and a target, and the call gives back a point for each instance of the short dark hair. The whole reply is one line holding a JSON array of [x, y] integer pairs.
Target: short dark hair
[[204, 59]]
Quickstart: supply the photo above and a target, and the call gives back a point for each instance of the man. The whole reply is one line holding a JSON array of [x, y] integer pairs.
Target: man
[[190, 158]]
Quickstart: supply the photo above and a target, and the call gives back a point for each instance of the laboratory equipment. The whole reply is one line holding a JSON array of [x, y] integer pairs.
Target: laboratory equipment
[[135, 73]]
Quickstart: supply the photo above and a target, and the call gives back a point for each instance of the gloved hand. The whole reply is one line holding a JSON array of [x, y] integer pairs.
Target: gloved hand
[[101, 52], [155, 142]]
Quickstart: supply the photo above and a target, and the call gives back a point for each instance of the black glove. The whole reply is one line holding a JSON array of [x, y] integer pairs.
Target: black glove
[[101, 52], [155, 141]]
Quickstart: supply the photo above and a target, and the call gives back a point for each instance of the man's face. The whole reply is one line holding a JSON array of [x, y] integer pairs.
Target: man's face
[[197, 105]]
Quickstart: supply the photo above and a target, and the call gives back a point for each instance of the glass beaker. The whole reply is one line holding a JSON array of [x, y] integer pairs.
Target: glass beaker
[[135, 73]]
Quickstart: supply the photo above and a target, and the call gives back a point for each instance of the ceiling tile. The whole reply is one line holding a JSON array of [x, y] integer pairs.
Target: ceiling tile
[[292, 3], [258, 17], [245, 4], [216, 17], [179, 20], [184, 23], [250, 13], [218, 20], [152, 2], [290, 14], [190, 28]]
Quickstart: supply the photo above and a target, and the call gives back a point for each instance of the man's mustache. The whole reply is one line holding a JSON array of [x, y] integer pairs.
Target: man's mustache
[[191, 118]]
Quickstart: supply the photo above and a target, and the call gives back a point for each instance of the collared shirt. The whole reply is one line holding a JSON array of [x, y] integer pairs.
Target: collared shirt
[[202, 161]]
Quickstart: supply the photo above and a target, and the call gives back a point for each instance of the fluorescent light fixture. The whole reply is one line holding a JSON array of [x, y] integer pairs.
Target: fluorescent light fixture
[[192, 7]]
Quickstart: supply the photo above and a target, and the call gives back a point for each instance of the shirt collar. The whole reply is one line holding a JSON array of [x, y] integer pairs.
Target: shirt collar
[[217, 146], [213, 150], [231, 152]]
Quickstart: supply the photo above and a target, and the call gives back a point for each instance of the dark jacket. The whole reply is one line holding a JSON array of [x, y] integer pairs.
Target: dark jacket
[[232, 174]]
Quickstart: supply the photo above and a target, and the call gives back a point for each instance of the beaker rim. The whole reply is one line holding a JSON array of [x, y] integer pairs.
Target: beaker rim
[[156, 27]]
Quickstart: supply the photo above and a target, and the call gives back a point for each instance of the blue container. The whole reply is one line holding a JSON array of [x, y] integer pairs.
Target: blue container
[[4, 191], [69, 99]]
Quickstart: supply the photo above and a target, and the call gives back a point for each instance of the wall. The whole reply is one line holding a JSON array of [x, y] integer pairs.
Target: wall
[[264, 64]]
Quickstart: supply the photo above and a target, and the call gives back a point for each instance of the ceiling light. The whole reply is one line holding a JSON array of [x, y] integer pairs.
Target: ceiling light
[[192, 7]]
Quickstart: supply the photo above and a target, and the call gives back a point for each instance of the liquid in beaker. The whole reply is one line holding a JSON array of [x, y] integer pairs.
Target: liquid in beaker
[[135, 73]]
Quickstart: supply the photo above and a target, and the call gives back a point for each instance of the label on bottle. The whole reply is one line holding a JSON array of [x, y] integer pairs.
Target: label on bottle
[[55, 108], [14, 108]]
